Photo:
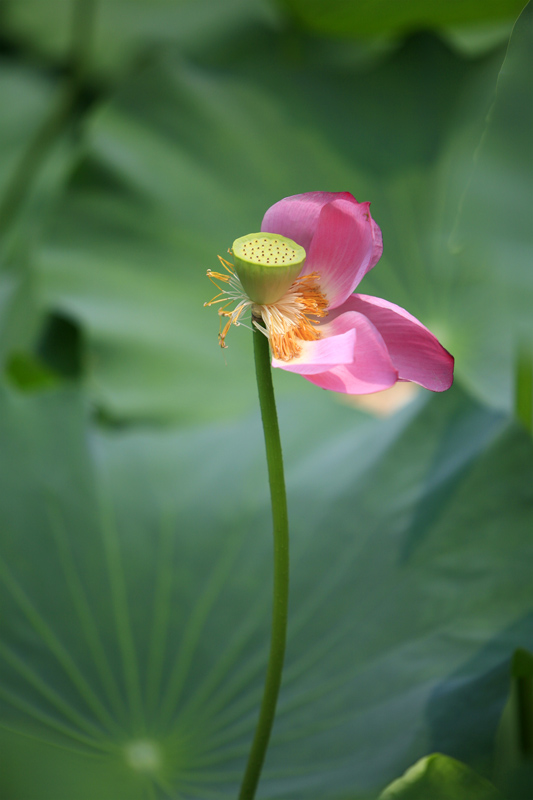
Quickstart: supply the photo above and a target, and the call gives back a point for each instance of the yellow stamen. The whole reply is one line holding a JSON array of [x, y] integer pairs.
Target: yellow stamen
[[229, 295], [294, 318], [287, 323]]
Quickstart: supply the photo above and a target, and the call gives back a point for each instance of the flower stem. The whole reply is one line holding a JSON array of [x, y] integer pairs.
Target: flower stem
[[524, 386], [57, 117], [524, 412], [281, 567], [524, 696]]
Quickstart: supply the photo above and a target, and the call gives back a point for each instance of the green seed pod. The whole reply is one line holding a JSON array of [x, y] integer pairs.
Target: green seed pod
[[267, 264]]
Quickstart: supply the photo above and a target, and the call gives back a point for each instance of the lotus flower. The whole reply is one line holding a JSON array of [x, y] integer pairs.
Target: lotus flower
[[319, 328]]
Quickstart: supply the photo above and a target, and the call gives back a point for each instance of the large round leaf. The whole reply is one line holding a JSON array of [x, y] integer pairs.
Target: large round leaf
[[440, 778], [345, 18], [135, 573]]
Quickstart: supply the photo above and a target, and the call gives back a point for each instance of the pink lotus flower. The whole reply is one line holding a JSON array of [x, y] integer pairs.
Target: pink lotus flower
[[320, 329]]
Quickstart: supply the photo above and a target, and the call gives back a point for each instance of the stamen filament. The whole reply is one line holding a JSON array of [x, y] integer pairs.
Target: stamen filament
[[288, 322]]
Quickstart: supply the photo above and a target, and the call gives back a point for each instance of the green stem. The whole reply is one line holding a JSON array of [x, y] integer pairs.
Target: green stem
[[522, 683], [524, 412], [524, 696], [281, 567], [59, 114], [524, 386]]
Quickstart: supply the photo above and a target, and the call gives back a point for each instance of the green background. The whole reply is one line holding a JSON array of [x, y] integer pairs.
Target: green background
[[138, 140]]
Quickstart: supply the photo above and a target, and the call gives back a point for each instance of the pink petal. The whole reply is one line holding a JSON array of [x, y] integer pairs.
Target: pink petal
[[337, 347], [340, 237], [415, 352], [346, 245], [296, 217], [351, 357]]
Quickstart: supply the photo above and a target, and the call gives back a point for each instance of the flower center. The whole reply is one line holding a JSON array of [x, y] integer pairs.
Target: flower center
[[260, 249], [143, 755], [293, 319], [267, 264], [287, 322]]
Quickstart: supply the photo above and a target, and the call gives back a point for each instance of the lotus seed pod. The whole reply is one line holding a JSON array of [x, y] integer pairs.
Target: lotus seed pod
[[267, 265]]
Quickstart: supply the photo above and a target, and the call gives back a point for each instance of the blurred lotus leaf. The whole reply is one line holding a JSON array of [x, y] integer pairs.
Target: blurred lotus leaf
[[135, 586], [440, 778]]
